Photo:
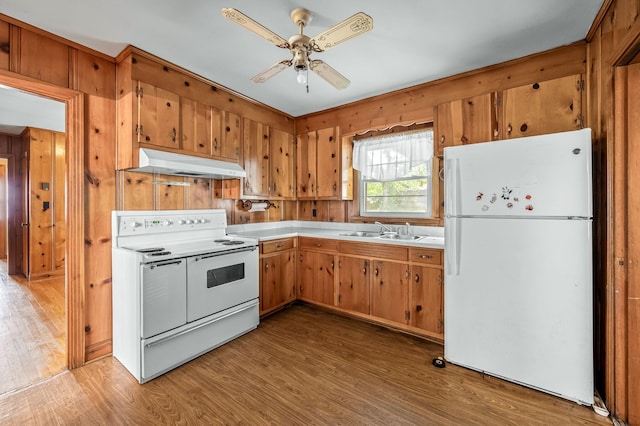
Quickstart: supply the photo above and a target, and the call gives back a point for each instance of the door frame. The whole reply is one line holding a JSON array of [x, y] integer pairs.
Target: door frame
[[74, 204]]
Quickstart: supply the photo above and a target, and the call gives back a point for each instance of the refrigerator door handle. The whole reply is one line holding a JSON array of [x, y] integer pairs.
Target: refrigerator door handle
[[451, 186], [452, 246]]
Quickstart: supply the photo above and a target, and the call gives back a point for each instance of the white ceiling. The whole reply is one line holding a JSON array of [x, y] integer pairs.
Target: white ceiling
[[412, 41]]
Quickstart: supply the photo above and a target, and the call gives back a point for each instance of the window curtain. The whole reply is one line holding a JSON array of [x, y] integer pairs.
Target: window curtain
[[394, 156]]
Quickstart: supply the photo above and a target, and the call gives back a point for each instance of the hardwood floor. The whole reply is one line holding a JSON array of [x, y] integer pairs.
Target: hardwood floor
[[32, 330], [301, 366]]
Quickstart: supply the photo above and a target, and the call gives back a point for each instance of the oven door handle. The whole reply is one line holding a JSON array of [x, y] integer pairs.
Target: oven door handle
[[207, 256], [156, 265], [183, 332]]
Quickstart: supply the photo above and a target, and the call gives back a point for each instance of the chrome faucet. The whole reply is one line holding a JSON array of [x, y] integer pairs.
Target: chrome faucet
[[383, 226]]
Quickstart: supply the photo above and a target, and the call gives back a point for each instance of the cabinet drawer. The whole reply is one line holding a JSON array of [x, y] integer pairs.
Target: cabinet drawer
[[375, 250], [320, 244], [278, 245], [430, 256]]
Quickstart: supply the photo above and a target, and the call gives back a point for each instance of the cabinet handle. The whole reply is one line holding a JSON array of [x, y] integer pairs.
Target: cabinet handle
[[279, 245], [364, 271], [442, 139], [509, 129], [266, 266], [417, 278], [407, 273], [377, 272], [332, 265], [318, 245], [426, 256], [174, 134]]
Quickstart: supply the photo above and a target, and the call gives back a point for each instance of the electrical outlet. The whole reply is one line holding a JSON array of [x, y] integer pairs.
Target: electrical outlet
[[45, 205], [314, 213]]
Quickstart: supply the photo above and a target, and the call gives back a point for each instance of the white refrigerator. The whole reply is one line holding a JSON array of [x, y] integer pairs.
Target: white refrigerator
[[518, 264]]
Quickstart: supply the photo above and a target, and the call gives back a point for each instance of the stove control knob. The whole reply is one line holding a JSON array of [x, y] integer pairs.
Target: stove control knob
[[181, 222], [201, 221], [167, 223], [135, 225], [188, 222]]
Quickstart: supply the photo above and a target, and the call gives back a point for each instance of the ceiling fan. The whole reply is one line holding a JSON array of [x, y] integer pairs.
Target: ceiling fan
[[302, 46]]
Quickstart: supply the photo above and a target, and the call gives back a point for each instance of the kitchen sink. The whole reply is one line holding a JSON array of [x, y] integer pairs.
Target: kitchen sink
[[361, 234], [398, 237]]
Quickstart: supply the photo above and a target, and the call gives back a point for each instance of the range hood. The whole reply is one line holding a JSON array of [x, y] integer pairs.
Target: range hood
[[169, 163]]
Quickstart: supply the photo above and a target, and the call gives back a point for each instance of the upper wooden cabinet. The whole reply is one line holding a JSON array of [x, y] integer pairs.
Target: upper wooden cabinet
[[198, 126], [464, 121], [158, 116], [227, 147], [545, 107], [268, 161], [324, 165], [538, 108]]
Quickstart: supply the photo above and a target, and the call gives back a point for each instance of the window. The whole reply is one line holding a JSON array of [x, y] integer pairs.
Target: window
[[395, 174]]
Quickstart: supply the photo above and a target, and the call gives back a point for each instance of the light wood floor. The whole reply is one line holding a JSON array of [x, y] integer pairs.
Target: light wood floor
[[32, 330], [302, 366]]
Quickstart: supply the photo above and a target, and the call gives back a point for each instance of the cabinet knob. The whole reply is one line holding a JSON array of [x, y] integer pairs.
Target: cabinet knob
[[266, 266], [509, 129], [318, 245], [174, 134], [364, 271], [442, 139], [377, 272], [417, 278], [426, 256], [279, 245]]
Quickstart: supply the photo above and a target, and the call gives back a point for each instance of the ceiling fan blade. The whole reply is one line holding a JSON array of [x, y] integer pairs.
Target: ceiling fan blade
[[328, 74], [243, 20], [359, 23], [271, 71]]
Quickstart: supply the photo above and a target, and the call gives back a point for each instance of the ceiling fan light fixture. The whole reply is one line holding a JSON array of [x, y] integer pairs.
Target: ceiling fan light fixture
[[302, 76]]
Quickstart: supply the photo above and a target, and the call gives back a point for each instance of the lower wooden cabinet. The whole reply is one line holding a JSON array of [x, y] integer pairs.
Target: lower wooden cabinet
[[390, 291], [277, 274], [316, 277], [426, 298], [353, 284]]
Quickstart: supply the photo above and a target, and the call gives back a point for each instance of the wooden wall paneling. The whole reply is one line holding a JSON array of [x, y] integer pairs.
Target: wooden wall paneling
[[289, 210], [282, 158], [41, 217], [305, 210], [136, 191], [543, 107], [43, 58], [5, 207], [168, 196], [416, 103], [200, 193], [58, 185], [4, 45], [347, 167], [96, 79], [127, 153], [632, 303], [274, 213], [322, 210], [336, 211]]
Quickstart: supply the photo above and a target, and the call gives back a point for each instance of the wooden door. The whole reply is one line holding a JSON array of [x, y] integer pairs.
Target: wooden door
[[323, 266], [158, 116], [196, 127], [231, 137], [328, 182], [26, 205], [282, 167], [389, 291], [306, 166], [427, 299], [544, 107], [278, 280], [353, 284], [306, 275], [256, 158]]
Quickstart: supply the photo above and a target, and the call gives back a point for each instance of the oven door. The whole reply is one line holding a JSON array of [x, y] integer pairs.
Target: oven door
[[164, 296], [218, 281]]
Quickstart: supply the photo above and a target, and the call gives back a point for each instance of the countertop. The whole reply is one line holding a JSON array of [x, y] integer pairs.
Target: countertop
[[431, 237]]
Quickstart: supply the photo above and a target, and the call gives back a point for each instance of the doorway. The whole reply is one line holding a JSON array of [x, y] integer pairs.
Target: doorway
[[33, 311], [74, 207]]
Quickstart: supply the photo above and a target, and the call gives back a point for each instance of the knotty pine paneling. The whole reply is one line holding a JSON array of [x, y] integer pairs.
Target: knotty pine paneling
[[4, 45], [200, 194], [42, 58], [135, 191], [60, 229], [96, 78], [168, 196]]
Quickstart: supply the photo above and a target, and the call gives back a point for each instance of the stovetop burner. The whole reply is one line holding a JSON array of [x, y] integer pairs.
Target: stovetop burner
[[221, 240], [158, 253], [232, 242], [150, 250]]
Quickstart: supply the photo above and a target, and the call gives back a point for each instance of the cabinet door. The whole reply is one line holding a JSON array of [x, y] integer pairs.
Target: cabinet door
[[196, 134], [427, 311], [231, 137], [256, 158], [158, 116], [353, 288], [306, 166], [316, 272], [465, 121], [278, 278], [545, 107], [389, 291], [328, 164], [282, 169]]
